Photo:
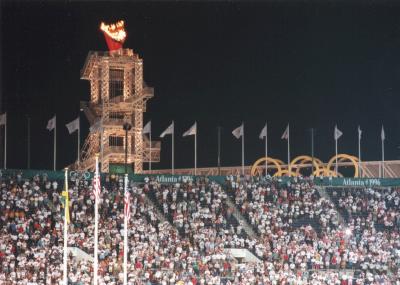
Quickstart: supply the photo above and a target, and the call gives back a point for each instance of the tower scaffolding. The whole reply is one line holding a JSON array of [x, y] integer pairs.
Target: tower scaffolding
[[118, 95]]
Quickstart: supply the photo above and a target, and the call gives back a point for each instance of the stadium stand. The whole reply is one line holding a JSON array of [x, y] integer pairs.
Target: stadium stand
[[302, 237]]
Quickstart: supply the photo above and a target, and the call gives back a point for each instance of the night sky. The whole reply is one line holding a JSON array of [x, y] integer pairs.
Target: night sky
[[311, 64]]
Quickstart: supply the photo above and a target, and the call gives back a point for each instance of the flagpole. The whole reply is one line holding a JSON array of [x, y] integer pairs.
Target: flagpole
[[101, 142], [5, 143], [312, 151], [219, 150], [195, 151], [242, 148], [150, 152], [173, 147], [79, 139], [96, 229], [266, 150], [288, 153], [65, 259], [336, 151], [54, 144], [383, 158], [359, 153], [29, 142], [126, 236]]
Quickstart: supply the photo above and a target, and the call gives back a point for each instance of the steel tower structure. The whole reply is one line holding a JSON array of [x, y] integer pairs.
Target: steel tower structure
[[118, 95]]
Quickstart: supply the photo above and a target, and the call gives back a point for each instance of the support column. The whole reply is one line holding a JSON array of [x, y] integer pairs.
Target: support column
[[138, 117], [128, 82], [94, 86], [105, 77]]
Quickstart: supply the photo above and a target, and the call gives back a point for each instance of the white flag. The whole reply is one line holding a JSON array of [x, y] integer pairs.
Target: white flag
[[96, 126], [359, 133], [3, 119], [73, 126], [263, 133], [337, 134], [383, 134], [51, 124], [285, 135], [192, 131], [147, 128], [238, 132], [168, 131]]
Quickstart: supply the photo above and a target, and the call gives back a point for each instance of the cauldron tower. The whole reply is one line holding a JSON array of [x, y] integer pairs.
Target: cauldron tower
[[118, 95]]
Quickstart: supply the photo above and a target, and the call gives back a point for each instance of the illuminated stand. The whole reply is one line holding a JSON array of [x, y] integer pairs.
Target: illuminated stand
[[118, 95]]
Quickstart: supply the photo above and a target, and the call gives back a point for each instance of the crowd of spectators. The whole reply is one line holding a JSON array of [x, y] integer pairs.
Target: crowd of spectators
[[270, 205], [373, 217], [199, 210], [273, 207], [179, 233], [380, 205]]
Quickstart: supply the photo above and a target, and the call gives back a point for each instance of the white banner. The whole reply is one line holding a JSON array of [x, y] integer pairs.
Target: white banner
[[73, 126]]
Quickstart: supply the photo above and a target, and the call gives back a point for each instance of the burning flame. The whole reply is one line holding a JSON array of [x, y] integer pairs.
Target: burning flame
[[115, 31]]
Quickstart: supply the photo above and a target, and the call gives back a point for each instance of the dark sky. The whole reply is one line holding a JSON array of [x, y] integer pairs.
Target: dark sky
[[308, 63]]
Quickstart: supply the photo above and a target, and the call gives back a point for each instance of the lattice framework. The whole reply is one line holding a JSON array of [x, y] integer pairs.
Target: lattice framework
[[112, 111]]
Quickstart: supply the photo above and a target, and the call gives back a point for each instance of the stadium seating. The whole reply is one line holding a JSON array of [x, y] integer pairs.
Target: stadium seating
[[351, 236]]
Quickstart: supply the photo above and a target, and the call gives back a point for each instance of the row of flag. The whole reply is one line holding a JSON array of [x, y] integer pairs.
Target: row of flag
[[71, 126], [51, 126], [74, 125], [171, 129], [238, 132]]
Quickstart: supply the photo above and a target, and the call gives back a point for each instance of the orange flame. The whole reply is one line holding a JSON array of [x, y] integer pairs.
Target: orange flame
[[115, 31]]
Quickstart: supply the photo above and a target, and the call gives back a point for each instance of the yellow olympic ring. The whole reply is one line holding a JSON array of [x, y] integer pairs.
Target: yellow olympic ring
[[278, 163], [298, 163], [341, 157], [302, 159]]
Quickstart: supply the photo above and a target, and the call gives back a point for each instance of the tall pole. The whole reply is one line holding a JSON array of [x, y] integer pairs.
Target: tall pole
[[219, 150], [5, 144], [242, 148], [336, 152], [359, 154], [312, 151], [79, 139], [125, 235], [173, 148], [266, 149], [383, 158], [55, 146], [29, 143], [127, 127], [101, 149], [288, 153], [96, 228], [195, 152], [101, 142], [65, 252], [126, 150], [150, 152]]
